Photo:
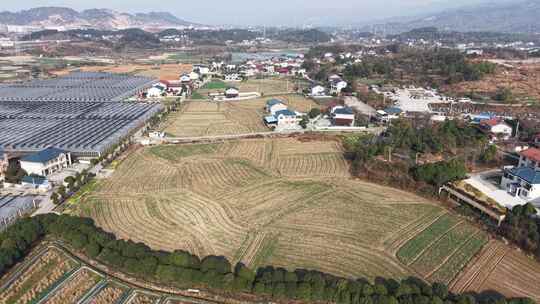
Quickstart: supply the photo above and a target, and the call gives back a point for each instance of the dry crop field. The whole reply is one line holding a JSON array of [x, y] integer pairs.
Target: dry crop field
[[503, 269], [286, 202], [201, 118], [162, 71]]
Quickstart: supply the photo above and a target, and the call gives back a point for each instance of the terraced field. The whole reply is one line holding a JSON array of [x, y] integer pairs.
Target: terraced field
[[287, 202]]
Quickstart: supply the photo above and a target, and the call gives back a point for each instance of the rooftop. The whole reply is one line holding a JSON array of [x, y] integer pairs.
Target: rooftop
[[531, 153], [285, 113], [528, 174], [344, 111], [273, 102], [43, 155]]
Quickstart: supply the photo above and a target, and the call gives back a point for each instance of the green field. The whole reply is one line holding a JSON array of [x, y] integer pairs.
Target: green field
[[215, 85], [440, 251]]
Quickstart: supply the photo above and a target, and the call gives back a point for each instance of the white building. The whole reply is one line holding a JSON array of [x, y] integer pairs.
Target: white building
[[523, 181], [286, 119], [232, 93], [318, 91], [46, 161], [496, 129], [337, 86], [154, 92], [275, 105]]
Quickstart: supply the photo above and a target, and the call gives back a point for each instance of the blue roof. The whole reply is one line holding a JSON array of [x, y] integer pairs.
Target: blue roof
[[270, 119], [273, 102], [346, 111], [393, 110], [43, 155], [36, 180], [528, 174], [285, 113]]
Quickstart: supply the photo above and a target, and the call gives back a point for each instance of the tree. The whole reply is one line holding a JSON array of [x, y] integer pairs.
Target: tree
[[504, 95], [55, 198], [304, 122], [314, 113]]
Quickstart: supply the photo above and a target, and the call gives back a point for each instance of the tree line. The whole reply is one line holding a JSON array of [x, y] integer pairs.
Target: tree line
[[522, 227], [182, 269]]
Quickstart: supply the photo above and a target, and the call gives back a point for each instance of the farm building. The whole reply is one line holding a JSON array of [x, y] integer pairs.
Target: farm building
[[13, 207], [46, 161]]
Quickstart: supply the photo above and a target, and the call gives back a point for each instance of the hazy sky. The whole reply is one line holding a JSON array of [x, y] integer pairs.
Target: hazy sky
[[253, 12]]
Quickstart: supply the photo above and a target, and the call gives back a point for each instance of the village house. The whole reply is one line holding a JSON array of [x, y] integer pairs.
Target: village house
[[523, 181], [389, 114], [231, 92], [337, 86], [46, 161], [342, 116], [496, 129], [154, 92], [318, 91], [36, 182], [275, 105], [185, 79]]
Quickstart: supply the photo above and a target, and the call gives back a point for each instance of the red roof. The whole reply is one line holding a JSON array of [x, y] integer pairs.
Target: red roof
[[491, 122], [531, 153]]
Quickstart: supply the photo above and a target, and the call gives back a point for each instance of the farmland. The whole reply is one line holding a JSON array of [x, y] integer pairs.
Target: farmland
[[265, 86], [51, 275], [500, 268], [262, 201], [200, 118]]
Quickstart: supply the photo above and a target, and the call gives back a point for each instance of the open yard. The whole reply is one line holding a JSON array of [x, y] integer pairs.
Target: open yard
[[203, 118], [267, 86], [286, 202]]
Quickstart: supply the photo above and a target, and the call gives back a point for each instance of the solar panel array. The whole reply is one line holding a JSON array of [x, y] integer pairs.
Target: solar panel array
[[81, 126], [78, 87]]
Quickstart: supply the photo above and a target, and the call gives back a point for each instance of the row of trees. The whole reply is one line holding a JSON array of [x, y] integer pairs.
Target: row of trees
[[71, 185], [183, 269]]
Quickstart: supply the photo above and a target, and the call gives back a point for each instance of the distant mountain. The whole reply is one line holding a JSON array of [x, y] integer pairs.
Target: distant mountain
[[104, 19], [505, 17]]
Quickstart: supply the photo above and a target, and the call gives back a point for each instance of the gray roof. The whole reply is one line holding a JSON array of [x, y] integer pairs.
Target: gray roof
[[528, 174]]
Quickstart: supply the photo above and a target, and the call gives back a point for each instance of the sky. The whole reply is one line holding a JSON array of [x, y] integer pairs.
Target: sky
[[253, 12]]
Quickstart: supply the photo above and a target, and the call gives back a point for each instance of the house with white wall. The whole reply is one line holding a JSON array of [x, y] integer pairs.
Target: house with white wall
[[496, 129], [275, 105], [46, 161]]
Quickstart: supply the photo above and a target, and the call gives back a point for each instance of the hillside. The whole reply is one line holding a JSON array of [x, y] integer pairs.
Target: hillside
[[518, 17], [55, 17]]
